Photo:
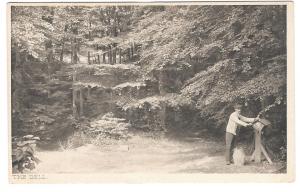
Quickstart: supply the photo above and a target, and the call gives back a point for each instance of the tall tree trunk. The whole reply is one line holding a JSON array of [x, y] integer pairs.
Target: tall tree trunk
[[73, 61], [115, 30], [89, 57], [118, 23], [74, 107], [89, 62], [104, 60], [74, 99], [49, 78], [120, 55], [128, 54], [110, 55], [89, 93], [62, 52], [109, 32], [114, 55], [161, 83], [74, 76], [90, 33], [74, 47], [72, 52], [50, 61], [132, 50], [81, 102], [162, 115], [115, 12]]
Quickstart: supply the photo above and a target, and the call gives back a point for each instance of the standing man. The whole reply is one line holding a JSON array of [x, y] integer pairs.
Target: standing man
[[235, 119]]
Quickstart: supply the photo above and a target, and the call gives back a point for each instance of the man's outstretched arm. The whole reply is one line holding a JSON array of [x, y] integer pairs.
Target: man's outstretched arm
[[246, 119], [236, 119]]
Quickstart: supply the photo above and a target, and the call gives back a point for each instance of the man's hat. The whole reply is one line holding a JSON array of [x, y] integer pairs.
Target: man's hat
[[237, 106]]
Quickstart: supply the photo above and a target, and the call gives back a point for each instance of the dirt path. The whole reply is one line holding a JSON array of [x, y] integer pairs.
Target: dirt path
[[140, 155]]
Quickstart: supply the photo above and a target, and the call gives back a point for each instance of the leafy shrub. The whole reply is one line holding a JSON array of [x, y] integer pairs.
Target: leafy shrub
[[23, 153]]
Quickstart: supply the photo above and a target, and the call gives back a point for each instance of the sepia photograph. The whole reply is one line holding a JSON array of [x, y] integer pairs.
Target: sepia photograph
[[151, 92]]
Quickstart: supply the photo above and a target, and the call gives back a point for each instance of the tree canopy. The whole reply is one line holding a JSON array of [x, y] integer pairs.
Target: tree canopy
[[201, 58]]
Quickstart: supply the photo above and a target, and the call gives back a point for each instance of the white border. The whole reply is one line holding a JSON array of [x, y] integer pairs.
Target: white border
[[148, 187]]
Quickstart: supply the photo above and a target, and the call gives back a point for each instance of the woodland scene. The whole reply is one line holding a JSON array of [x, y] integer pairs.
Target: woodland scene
[[146, 88]]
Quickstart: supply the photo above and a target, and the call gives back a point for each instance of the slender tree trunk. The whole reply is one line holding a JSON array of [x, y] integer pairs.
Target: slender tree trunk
[[81, 102], [128, 54], [74, 103], [89, 58], [89, 92], [50, 61], [114, 55], [132, 50], [163, 116], [118, 23], [72, 51], [90, 33], [74, 77], [74, 99], [49, 78], [74, 107], [109, 32], [116, 52], [161, 83], [115, 29], [110, 55], [120, 55], [62, 52], [75, 48], [104, 54]]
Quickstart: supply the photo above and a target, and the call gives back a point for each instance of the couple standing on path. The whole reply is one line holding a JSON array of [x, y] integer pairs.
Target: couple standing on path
[[235, 119]]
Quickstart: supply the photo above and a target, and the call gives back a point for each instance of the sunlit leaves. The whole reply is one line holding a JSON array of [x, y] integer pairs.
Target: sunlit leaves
[[28, 30]]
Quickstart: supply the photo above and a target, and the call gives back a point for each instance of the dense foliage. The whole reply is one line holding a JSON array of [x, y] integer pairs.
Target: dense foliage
[[202, 59]]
